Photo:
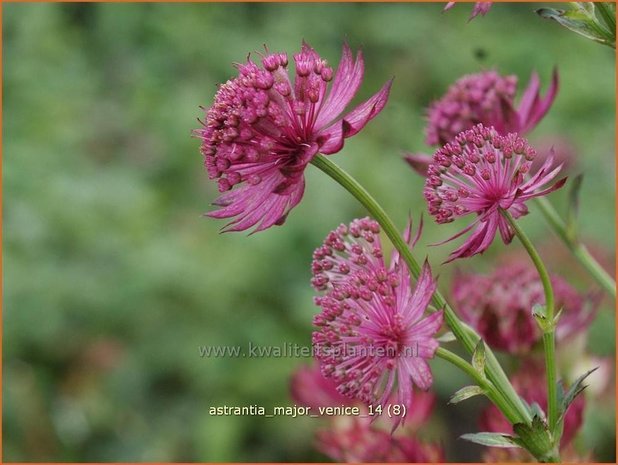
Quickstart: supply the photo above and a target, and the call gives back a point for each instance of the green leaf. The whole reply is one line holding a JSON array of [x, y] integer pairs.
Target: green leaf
[[581, 21], [478, 357], [576, 388], [535, 437], [573, 208], [491, 439], [465, 393], [607, 11], [537, 411]]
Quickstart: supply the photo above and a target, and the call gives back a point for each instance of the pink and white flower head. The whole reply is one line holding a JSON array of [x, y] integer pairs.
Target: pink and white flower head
[[488, 98], [264, 128], [360, 442], [482, 172], [480, 8], [499, 306], [530, 383], [371, 337]]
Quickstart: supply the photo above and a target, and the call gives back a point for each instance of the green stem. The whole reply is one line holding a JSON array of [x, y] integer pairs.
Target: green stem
[[466, 335], [579, 250], [549, 328], [488, 388]]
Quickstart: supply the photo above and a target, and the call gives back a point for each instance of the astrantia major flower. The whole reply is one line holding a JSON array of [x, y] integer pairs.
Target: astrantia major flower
[[499, 306], [487, 98], [482, 173], [264, 128], [371, 336]]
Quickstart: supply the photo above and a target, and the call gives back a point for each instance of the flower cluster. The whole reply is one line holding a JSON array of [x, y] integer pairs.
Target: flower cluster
[[371, 334], [482, 172], [264, 128], [487, 98], [499, 306]]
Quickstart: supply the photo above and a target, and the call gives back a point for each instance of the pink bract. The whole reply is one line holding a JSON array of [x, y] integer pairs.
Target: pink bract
[[264, 128], [482, 172], [371, 337], [480, 8]]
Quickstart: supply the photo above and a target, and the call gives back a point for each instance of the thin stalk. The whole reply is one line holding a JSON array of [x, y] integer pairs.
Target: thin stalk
[[579, 250], [466, 335], [548, 329], [488, 388]]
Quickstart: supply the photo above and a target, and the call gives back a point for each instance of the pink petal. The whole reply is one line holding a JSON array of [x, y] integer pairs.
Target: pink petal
[[427, 326], [479, 241], [480, 8], [425, 288], [362, 114], [420, 372], [347, 80], [332, 140], [419, 162], [540, 106]]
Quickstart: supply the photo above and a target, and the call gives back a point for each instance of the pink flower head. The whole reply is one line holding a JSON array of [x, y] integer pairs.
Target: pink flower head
[[480, 8], [263, 129], [488, 98], [530, 383], [371, 332], [499, 306], [360, 442], [482, 172]]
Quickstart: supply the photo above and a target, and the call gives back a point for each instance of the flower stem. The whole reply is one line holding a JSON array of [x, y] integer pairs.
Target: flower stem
[[479, 378], [549, 327], [579, 250], [466, 335]]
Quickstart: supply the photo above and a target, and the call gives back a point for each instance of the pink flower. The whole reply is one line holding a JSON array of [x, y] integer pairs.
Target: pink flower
[[482, 172], [360, 442], [488, 98], [499, 306], [530, 383], [371, 331], [263, 129], [480, 8]]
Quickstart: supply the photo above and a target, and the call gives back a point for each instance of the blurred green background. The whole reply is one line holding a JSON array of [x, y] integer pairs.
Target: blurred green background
[[112, 277]]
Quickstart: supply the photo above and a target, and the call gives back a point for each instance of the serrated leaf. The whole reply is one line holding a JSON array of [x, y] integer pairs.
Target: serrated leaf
[[573, 207], [478, 357], [447, 337], [535, 437], [576, 388], [579, 21], [465, 393], [491, 439]]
